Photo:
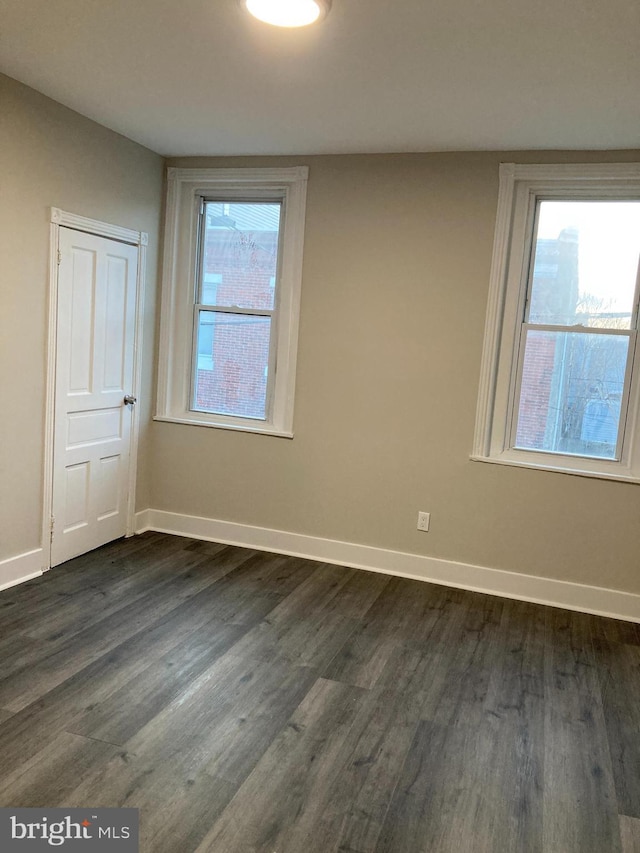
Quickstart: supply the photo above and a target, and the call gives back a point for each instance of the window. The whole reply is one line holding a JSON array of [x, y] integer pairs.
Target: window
[[560, 377], [231, 294]]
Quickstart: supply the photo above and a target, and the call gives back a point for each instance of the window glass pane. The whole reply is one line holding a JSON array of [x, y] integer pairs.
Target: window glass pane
[[585, 263], [240, 254], [571, 393], [210, 284], [232, 364]]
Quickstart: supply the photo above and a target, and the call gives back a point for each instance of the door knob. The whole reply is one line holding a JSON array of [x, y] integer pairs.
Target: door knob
[[129, 399]]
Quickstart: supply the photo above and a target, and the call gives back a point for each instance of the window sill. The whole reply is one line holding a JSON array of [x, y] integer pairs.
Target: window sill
[[264, 429], [558, 469]]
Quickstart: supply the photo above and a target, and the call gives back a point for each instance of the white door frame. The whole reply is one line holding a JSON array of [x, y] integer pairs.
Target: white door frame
[[58, 219]]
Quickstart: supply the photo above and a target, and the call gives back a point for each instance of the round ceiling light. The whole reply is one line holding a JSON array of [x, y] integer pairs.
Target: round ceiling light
[[287, 13]]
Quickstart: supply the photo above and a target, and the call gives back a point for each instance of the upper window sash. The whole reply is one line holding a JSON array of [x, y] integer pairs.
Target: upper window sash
[[272, 199], [522, 188]]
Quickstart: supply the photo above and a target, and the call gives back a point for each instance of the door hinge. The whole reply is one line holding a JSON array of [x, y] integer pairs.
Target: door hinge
[[59, 257], [52, 524]]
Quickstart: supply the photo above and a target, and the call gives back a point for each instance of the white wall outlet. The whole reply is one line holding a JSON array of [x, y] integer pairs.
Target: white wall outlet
[[423, 521]]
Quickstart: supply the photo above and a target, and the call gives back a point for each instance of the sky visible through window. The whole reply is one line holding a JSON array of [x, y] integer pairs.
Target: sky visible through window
[[609, 246]]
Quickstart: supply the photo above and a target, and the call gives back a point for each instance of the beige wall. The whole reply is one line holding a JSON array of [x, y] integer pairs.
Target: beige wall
[[396, 274], [51, 156]]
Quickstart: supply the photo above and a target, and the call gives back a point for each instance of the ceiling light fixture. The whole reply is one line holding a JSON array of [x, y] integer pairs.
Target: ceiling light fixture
[[287, 13]]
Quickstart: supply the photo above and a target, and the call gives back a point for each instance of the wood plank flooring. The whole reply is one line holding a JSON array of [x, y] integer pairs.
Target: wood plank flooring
[[249, 702]]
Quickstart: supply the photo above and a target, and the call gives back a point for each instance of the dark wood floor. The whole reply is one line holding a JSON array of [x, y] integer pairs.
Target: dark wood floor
[[250, 702]]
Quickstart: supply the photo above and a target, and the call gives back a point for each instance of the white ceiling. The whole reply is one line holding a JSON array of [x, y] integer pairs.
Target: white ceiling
[[201, 77]]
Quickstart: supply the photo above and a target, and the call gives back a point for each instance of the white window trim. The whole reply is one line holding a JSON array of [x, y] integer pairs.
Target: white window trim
[[185, 188], [520, 186]]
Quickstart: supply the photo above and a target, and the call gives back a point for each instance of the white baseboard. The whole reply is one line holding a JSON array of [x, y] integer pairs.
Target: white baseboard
[[142, 521], [22, 568], [571, 596]]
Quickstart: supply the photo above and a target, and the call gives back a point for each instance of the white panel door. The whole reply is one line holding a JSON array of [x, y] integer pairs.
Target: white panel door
[[94, 372]]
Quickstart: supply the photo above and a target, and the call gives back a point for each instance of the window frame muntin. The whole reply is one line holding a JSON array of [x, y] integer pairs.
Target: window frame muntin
[[521, 187], [178, 277]]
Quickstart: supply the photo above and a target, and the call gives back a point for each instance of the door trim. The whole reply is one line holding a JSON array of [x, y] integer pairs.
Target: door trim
[[64, 219]]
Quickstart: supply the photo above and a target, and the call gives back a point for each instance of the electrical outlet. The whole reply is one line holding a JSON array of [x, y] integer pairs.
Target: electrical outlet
[[423, 521]]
